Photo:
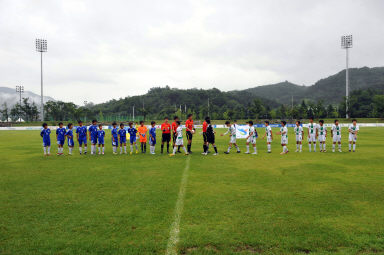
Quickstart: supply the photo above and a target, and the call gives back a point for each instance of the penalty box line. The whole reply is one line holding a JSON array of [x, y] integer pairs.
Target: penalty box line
[[175, 227]]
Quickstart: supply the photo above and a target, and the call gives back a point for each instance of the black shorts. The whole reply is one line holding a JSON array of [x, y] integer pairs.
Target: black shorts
[[166, 137], [205, 137], [189, 135], [210, 138]]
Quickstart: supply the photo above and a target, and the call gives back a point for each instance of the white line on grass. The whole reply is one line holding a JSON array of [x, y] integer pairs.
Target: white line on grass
[[175, 227]]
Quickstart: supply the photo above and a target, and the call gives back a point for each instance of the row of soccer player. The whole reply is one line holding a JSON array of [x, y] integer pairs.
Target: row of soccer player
[[118, 135]]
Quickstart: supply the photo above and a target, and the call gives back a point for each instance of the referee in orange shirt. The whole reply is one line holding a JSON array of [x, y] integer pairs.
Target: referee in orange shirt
[[190, 130], [166, 135]]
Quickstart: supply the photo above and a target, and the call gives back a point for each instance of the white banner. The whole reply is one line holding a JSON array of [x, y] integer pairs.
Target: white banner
[[242, 131]]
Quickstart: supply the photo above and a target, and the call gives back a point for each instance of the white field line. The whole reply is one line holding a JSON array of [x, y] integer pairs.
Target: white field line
[[175, 227]]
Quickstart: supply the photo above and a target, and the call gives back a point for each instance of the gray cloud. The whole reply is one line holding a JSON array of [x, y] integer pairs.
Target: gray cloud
[[100, 50]]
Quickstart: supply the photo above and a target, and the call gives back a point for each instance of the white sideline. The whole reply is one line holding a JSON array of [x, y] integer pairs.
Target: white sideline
[[175, 227]]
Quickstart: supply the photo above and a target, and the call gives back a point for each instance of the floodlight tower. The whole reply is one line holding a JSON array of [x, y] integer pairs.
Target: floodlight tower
[[346, 43], [20, 90], [41, 46]]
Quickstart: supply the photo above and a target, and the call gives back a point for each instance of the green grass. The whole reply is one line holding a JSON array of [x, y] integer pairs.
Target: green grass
[[317, 203]]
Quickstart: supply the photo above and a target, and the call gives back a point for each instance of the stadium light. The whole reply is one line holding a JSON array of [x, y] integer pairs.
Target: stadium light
[[346, 43], [20, 90], [41, 46]]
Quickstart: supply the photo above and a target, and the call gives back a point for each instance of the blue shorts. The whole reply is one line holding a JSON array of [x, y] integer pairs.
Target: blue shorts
[[101, 141], [116, 142], [83, 140], [94, 140], [123, 140], [60, 142], [152, 142], [46, 143], [71, 143], [132, 139]]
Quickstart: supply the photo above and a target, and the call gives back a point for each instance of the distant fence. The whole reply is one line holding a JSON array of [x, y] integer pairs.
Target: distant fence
[[200, 126]]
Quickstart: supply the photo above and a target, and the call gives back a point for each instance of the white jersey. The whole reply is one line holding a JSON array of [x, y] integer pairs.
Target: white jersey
[[284, 135], [179, 136], [232, 133], [322, 133], [268, 133], [298, 133], [312, 128], [252, 135], [353, 132], [336, 131]]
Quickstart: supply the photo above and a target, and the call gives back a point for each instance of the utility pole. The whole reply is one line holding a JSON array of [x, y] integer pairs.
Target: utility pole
[[41, 46], [346, 43]]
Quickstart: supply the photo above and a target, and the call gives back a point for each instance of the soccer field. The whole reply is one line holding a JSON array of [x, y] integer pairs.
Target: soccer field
[[317, 203]]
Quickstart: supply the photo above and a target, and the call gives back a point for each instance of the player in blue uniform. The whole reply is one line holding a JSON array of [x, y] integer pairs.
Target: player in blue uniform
[[100, 138], [60, 137], [132, 137], [123, 138], [115, 139], [93, 136], [45, 134], [82, 137], [69, 135], [152, 138]]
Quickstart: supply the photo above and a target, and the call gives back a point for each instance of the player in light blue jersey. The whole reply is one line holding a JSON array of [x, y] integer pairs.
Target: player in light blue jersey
[[152, 138], [100, 138], [82, 137], [60, 137], [69, 135], [93, 136], [123, 138], [45, 134], [115, 139], [132, 137]]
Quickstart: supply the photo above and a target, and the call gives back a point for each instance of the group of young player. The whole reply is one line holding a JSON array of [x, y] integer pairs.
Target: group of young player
[[96, 136]]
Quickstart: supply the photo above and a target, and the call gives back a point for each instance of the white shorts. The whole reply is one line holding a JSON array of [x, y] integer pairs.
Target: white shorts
[[312, 138], [269, 139], [179, 141], [251, 140], [232, 139], [337, 138], [284, 140], [299, 138], [322, 138], [352, 138]]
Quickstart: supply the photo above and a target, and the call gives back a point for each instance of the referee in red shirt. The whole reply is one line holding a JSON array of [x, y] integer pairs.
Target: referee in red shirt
[[205, 126], [190, 129], [166, 135]]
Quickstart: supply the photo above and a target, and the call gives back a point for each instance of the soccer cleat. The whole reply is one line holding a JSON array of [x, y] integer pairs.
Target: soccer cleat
[[186, 154], [255, 153], [321, 150], [282, 153], [301, 151], [137, 152], [269, 151], [324, 151], [130, 153], [247, 152], [226, 152], [153, 153], [296, 150], [80, 153], [203, 153], [85, 153], [215, 154], [171, 155], [349, 150], [333, 150], [238, 151], [58, 154], [115, 153], [125, 152], [99, 153], [354, 151], [102, 153]]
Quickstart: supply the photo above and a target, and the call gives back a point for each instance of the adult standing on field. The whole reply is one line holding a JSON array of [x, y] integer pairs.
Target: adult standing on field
[[166, 134], [205, 138], [190, 130], [174, 132]]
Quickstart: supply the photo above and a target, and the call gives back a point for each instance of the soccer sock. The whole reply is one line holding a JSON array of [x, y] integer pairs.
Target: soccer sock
[[85, 148], [167, 147], [247, 148], [114, 149], [80, 149], [255, 149], [136, 147], [58, 150], [49, 149], [314, 147], [174, 149], [70, 150], [121, 149], [269, 147], [99, 149], [185, 150], [125, 148], [339, 146], [145, 147], [188, 147], [162, 148], [237, 148], [103, 149], [297, 146], [142, 147], [324, 147], [354, 147], [204, 147], [229, 148], [45, 150], [310, 147], [301, 146], [285, 149], [131, 147], [215, 148], [349, 146], [333, 146]]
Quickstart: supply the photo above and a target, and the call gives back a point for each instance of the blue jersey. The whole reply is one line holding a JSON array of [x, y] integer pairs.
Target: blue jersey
[[152, 132], [69, 135], [114, 132], [82, 131], [122, 132], [100, 134], [60, 132], [132, 131], [45, 134], [93, 130]]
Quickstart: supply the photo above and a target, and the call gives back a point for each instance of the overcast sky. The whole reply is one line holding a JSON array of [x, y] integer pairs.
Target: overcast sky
[[100, 50]]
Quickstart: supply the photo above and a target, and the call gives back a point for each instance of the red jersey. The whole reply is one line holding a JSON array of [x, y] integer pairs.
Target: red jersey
[[205, 125], [174, 127], [166, 128], [189, 125]]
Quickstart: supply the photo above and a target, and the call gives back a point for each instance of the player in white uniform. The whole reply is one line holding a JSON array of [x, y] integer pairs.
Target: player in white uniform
[[284, 137], [299, 132], [353, 130], [268, 134], [232, 134], [179, 139], [312, 135], [322, 136], [336, 135], [251, 139]]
